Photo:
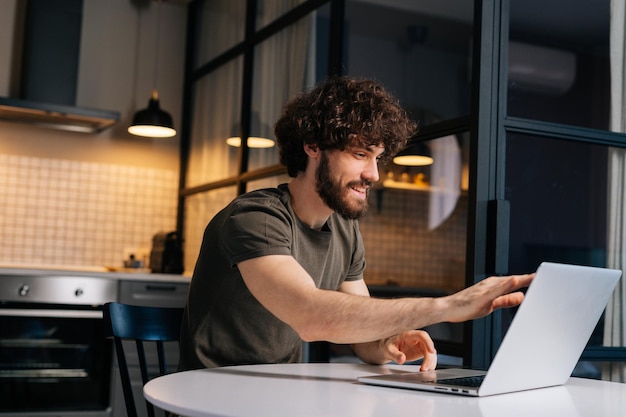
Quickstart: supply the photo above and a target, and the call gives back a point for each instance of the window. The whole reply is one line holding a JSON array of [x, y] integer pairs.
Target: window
[[564, 172], [219, 26], [216, 115], [420, 52], [558, 62], [528, 100], [238, 86]]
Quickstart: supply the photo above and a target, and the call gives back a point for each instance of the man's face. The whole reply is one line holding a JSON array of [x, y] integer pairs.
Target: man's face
[[345, 177]]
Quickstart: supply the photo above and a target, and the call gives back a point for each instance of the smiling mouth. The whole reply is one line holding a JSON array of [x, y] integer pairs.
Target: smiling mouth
[[361, 189]]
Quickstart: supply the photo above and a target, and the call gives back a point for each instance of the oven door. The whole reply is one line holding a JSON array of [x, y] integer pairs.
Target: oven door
[[54, 359]]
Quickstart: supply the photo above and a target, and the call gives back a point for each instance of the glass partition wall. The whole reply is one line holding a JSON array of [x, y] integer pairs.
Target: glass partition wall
[[415, 233], [238, 84], [517, 109], [564, 175]]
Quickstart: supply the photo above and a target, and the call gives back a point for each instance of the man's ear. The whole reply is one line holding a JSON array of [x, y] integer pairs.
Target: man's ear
[[312, 150]]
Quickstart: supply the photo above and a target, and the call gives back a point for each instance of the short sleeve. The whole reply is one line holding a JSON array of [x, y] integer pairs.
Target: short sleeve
[[357, 265], [256, 228]]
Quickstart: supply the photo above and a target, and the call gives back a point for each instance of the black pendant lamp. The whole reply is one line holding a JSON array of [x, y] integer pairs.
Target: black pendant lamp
[[152, 122]]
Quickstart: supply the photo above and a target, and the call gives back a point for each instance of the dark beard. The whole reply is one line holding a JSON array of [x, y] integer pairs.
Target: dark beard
[[333, 193]]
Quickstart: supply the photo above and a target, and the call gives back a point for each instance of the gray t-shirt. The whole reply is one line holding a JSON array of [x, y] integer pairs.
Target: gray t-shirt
[[223, 323]]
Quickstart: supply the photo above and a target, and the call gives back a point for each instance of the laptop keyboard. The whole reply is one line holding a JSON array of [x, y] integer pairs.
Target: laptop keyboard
[[466, 381]]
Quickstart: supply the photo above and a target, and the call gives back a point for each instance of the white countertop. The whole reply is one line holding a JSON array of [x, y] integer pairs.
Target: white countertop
[[331, 390]]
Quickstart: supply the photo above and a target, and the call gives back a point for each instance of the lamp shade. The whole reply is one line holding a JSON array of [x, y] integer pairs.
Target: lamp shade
[[258, 140], [416, 154], [253, 142], [153, 122]]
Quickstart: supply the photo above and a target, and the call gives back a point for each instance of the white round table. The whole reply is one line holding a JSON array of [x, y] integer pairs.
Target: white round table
[[331, 390]]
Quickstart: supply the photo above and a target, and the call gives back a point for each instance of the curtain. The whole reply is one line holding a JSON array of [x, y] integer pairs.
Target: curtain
[[445, 180], [283, 66], [217, 96], [614, 334]]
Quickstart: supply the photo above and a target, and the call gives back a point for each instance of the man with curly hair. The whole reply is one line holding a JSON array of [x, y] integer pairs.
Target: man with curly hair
[[282, 265]]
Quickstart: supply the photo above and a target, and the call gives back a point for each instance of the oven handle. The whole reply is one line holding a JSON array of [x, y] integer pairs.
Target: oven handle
[[87, 314]]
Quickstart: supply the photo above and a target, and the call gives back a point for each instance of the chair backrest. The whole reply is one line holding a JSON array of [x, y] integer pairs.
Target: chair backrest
[[142, 325]]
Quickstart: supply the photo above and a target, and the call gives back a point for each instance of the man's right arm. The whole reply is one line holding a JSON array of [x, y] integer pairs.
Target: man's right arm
[[282, 286]]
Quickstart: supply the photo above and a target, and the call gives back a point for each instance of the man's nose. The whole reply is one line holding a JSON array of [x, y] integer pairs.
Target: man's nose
[[371, 173]]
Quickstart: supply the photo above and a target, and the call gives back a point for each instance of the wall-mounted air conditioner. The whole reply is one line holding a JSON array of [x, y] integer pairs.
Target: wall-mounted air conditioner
[[540, 69]]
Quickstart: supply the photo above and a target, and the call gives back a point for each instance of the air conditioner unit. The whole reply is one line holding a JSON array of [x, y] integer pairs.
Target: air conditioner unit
[[540, 69]]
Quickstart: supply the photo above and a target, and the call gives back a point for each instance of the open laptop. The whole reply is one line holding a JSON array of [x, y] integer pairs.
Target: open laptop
[[543, 343]]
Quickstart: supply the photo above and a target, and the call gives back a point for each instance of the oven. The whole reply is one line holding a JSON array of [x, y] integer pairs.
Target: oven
[[54, 357]]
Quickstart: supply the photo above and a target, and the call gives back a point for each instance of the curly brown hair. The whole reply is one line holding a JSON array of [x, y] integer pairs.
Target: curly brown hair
[[338, 113]]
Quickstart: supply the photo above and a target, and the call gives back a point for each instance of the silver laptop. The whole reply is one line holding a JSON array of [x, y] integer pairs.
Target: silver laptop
[[548, 334]]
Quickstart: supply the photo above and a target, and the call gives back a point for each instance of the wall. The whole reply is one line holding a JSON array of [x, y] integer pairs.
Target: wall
[[47, 172], [402, 251], [64, 212]]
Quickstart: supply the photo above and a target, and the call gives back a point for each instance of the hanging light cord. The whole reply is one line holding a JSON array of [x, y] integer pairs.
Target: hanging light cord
[[157, 43], [153, 122]]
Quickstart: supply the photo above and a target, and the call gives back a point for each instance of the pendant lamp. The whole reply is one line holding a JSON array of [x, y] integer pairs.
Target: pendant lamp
[[153, 122], [253, 142], [417, 154], [258, 140]]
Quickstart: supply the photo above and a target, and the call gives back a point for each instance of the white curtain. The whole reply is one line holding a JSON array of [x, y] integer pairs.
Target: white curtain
[[217, 95], [614, 334], [283, 66], [445, 179]]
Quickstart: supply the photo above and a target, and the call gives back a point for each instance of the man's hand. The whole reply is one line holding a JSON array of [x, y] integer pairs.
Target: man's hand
[[410, 346], [401, 348], [482, 298]]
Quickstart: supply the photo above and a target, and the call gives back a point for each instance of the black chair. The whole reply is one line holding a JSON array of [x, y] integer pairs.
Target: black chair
[[140, 324]]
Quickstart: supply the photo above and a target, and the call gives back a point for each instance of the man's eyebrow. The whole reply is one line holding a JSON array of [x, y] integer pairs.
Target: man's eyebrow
[[374, 148], [368, 148]]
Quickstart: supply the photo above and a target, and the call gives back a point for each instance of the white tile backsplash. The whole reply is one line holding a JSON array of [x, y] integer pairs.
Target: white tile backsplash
[[64, 212]]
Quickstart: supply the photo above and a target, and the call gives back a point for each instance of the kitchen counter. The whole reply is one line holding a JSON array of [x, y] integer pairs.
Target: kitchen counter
[[102, 272], [91, 285]]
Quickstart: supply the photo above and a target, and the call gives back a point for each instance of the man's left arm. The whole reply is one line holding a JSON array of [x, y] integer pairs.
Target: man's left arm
[[400, 348]]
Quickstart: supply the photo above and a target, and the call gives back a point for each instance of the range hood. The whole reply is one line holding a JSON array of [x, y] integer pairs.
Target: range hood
[[49, 49], [56, 116]]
